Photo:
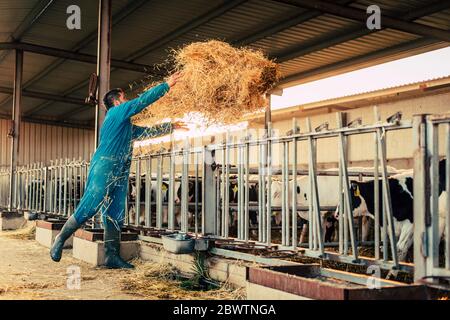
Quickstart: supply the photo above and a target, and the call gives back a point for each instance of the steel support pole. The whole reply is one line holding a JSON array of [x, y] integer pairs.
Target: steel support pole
[[103, 61], [421, 197], [17, 97]]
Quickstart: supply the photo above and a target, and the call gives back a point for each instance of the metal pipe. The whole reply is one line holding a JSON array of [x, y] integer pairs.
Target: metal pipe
[[376, 191], [347, 198], [138, 192], [294, 186], [447, 189], [148, 192], [15, 123], [103, 61], [269, 186]]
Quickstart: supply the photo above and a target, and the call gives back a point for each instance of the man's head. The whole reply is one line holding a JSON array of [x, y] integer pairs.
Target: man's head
[[114, 98]]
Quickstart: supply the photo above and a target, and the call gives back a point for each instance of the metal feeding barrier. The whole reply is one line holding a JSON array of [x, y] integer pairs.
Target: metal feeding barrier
[[234, 190], [431, 200]]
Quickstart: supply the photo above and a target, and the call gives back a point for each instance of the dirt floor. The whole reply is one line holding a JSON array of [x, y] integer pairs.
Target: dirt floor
[[27, 272]]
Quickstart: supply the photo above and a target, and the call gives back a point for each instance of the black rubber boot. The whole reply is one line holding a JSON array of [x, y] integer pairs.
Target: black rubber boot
[[112, 247], [68, 229]]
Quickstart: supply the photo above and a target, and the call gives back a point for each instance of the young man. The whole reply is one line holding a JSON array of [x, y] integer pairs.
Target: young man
[[107, 181]]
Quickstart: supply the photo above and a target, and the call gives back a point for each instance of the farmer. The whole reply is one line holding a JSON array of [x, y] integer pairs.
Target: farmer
[[107, 180]]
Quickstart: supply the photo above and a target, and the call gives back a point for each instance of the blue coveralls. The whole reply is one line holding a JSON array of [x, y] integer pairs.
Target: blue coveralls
[[107, 180]]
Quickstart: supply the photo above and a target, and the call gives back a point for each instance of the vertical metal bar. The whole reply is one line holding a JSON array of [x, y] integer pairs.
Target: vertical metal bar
[[185, 188], [15, 130], [65, 187], [269, 186], [103, 61], [376, 192], [138, 192], [240, 192], [294, 185], [75, 185], [346, 185], [434, 237], [60, 194], [389, 221], [148, 191], [285, 205], [247, 188], [316, 226], [171, 191], [226, 218], [421, 196], [208, 193], [447, 189], [196, 195], [159, 191], [260, 193], [55, 187], [46, 183]]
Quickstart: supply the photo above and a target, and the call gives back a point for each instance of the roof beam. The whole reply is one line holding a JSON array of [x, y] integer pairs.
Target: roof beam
[[44, 96], [361, 61], [117, 18], [353, 33], [33, 15], [70, 55], [187, 27], [361, 15], [69, 124], [298, 17]]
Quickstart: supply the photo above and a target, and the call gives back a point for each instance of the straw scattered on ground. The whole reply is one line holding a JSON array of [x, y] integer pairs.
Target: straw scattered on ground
[[26, 233], [162, 281], [220, 82]]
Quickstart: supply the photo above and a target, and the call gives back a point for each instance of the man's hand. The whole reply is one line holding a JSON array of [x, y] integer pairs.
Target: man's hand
[[172, 80], [180, 125]]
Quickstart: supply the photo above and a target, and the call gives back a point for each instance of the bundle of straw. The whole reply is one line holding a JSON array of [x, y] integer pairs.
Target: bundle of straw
[[219, 82]]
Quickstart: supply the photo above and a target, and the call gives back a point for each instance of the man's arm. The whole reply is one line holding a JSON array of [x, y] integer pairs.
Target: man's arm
[[130, 108], [141, 133]]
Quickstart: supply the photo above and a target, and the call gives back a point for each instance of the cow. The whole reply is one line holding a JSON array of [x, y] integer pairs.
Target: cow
[[401, 192], [132, 196], [191, 198], [233, 191], [328, 192]]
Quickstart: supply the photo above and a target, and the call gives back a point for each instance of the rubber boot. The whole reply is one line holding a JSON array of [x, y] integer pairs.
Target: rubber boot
[[68, 229], [112, 247]]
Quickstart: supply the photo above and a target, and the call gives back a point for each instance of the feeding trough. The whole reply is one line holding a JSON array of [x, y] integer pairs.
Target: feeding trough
[[179, 243], [310, 281]]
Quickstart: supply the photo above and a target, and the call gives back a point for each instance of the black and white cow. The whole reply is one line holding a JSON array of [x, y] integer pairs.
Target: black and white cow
[[191, 198], [233, 191], [132, 196], [401, 191]]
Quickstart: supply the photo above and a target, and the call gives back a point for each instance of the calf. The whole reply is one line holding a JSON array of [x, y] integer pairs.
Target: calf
[[401, 192], [191, 198]]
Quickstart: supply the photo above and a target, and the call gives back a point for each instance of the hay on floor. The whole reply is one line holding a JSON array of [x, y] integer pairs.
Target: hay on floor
[[220, 82], [162, 281]]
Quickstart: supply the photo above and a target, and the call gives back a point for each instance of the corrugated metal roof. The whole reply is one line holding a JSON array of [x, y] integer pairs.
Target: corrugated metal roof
[[154, 20]]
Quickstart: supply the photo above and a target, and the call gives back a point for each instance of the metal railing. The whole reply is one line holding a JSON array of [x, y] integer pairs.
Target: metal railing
[[219, 190], [431, 200]]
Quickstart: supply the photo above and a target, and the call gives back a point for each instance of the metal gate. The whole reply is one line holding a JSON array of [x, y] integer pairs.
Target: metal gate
[[431, 201]]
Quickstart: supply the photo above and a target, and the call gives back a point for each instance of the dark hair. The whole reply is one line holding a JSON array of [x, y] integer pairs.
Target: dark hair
[[111, 96]]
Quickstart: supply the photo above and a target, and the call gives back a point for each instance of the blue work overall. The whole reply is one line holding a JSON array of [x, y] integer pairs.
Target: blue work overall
[[107, 181]]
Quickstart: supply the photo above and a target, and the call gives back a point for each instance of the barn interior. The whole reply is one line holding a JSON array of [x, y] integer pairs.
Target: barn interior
[[49, 128]]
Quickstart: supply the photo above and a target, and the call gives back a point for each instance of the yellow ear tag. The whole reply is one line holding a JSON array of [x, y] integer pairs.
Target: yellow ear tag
[[235, 188], [164, 187], [357, 193]]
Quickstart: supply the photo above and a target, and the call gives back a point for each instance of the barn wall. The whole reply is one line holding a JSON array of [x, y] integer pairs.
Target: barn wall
[[42, 143], [361, 147]]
